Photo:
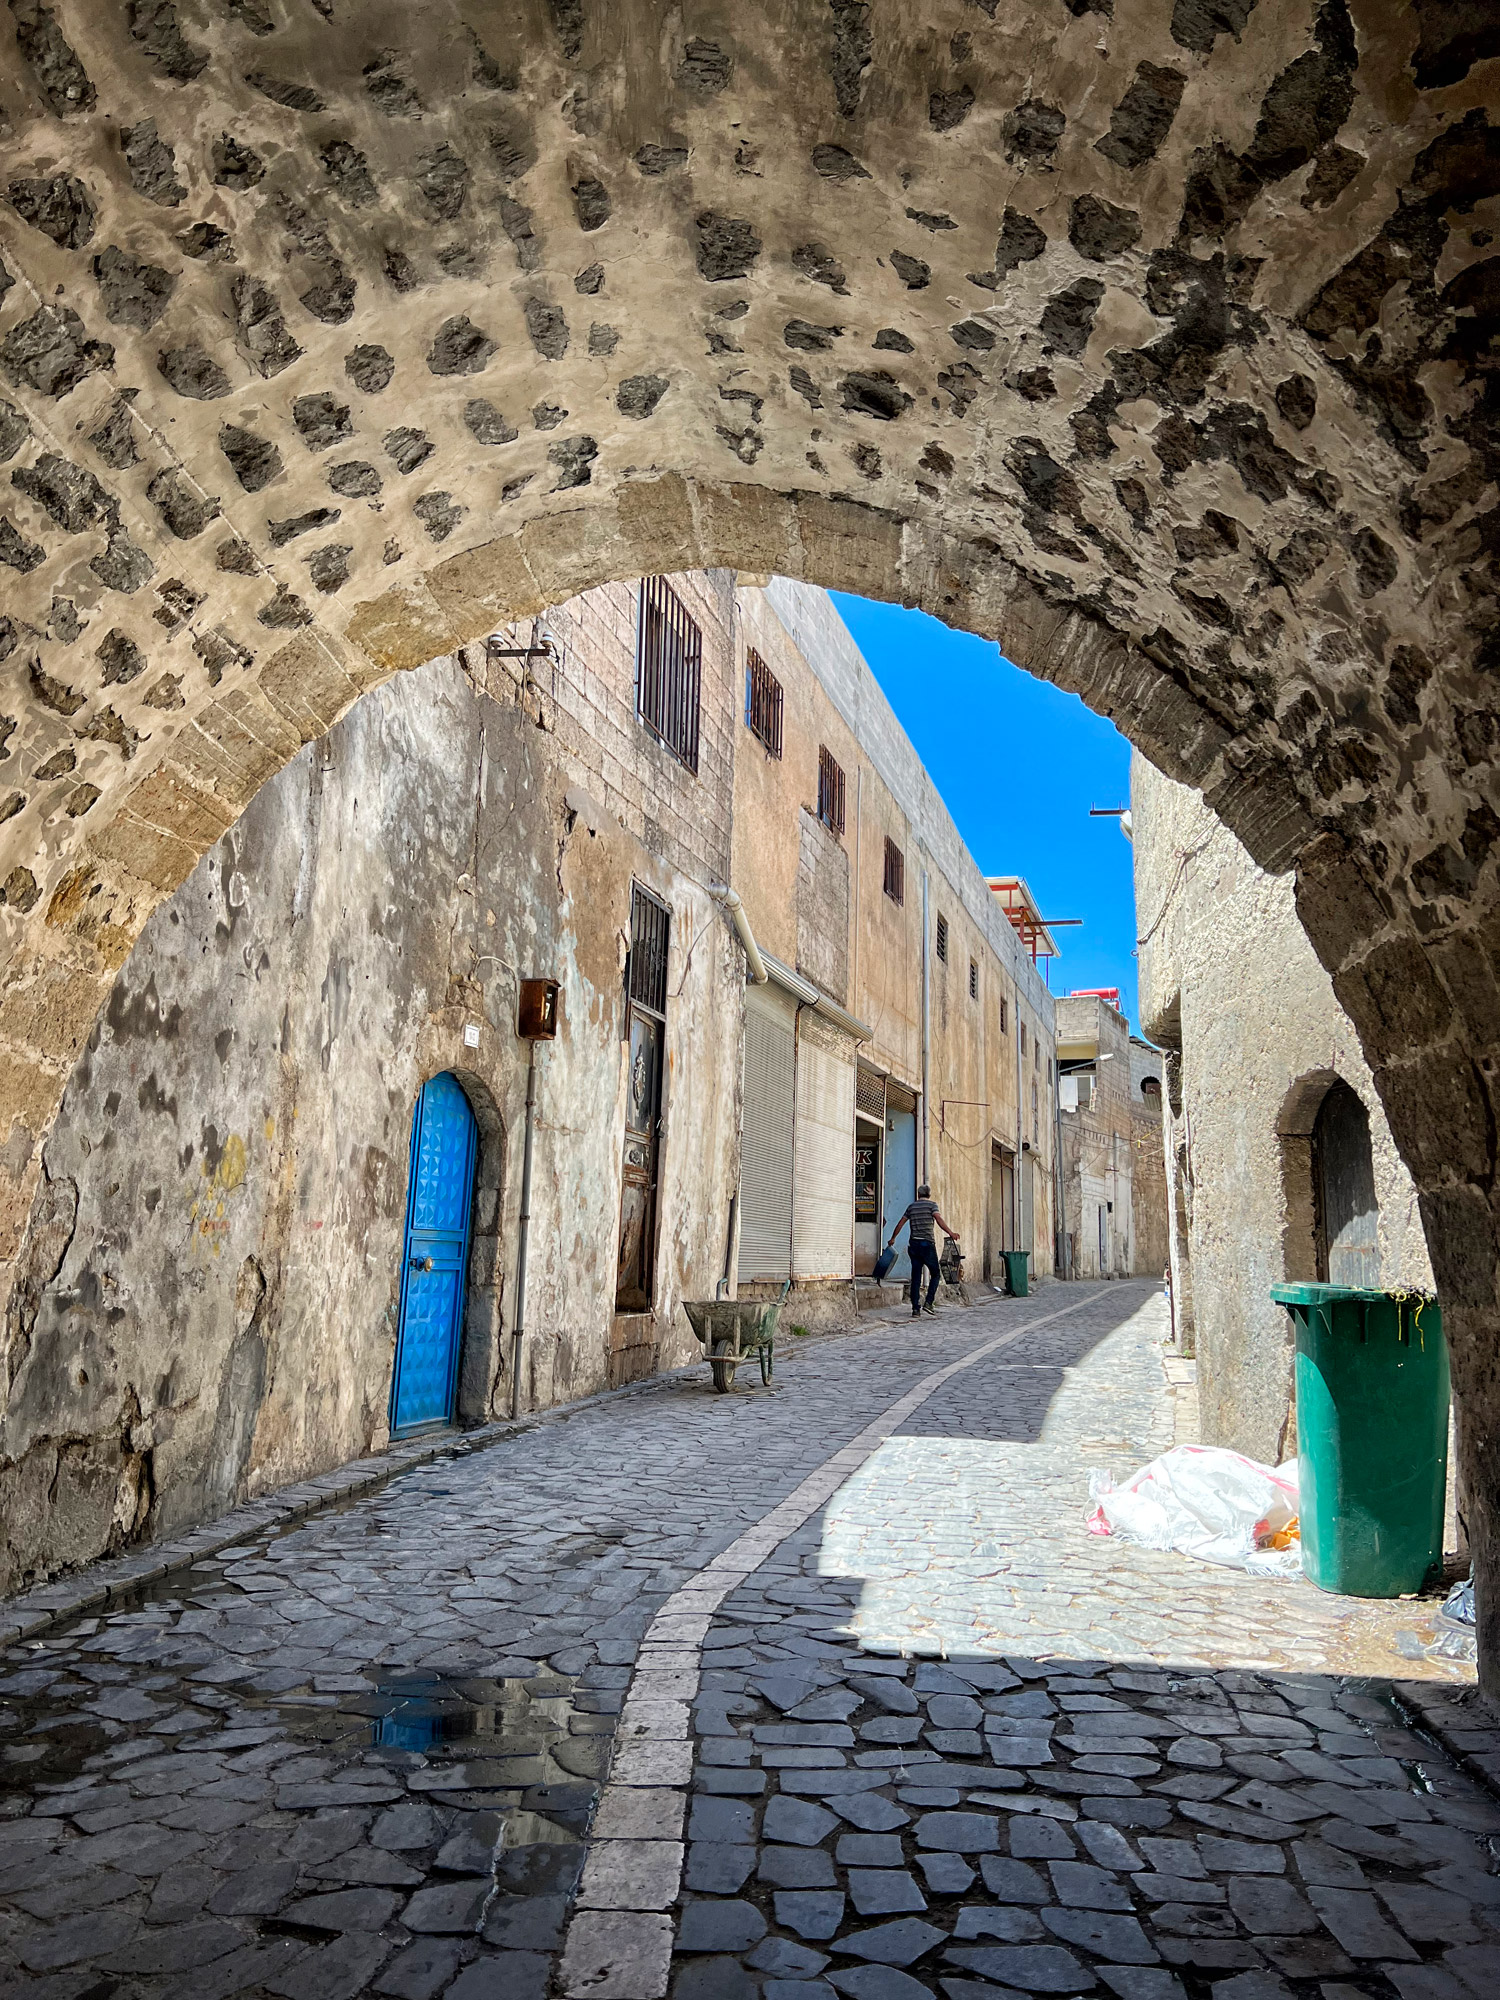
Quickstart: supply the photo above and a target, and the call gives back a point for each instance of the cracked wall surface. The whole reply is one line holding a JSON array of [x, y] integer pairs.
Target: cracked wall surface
[[1156, 342]]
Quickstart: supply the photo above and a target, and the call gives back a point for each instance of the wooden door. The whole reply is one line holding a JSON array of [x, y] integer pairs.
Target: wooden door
[[645, 1031]]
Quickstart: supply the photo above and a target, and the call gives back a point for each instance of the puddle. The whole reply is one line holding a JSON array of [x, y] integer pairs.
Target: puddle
[[80, 1707]]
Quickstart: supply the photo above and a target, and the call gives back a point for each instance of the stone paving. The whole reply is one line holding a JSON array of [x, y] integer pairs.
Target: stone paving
[[366, 1755]]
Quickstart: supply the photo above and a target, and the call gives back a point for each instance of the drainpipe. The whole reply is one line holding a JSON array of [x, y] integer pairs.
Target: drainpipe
[[519, 1328], [1015, 1179], [926, 1174], [722, 893], [1060, 1235]]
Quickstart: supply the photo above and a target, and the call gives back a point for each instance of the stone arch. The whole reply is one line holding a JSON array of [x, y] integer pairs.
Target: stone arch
[[1155, 351]]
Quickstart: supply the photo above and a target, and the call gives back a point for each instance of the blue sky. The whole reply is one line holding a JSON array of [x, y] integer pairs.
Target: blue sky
[[1019, 763]]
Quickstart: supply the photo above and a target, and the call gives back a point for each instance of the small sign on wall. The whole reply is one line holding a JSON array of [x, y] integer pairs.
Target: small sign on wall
[[471, 1034]]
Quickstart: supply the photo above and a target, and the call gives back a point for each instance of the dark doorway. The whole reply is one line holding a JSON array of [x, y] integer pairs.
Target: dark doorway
[[1344, 1190], [645, 1031]]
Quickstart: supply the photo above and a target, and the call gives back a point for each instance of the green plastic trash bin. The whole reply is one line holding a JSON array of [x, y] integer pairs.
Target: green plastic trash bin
[[1372, 1434], [1015, 1271]]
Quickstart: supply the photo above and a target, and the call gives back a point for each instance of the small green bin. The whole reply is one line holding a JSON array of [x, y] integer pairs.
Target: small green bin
[[1015, 1271], [1372, 1435]]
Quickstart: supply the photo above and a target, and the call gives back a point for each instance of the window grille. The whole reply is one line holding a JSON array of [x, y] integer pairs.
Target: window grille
[[895, 871], [830, 792], [1023, 1038], [762, 702], [669, 669], [942, 939], [869, 1093], [973, 978], [650, 931], [1005, 1017]]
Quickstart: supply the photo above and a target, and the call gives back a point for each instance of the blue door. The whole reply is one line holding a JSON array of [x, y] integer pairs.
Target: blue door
[[435, 1257], [900, 1186]]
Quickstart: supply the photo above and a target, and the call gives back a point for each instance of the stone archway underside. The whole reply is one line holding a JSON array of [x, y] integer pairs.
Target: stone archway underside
[[1156, 341]]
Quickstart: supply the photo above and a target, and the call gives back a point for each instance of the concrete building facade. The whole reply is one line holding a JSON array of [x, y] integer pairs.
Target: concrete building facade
[[230, 1279], [854, 874], [1109, 1131], [1279, 1160]]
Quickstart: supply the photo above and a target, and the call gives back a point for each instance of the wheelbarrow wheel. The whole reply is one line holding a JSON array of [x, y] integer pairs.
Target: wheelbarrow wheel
[[767, 1362], [723, 1361]]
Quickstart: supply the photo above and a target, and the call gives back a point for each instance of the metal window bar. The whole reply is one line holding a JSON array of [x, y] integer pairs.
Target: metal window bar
[[650, 933], [973, 978], [669, 669], [762, 702], [942, 939], [895, 871], [830, 792], [1005, 1017], [869, 1092]]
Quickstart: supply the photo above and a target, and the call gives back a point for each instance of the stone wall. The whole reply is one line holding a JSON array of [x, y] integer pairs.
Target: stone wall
[[213, 1266], [1255, 1036]]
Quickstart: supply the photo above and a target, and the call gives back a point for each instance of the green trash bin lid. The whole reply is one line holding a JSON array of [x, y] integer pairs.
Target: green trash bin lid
[[1309, 1294]]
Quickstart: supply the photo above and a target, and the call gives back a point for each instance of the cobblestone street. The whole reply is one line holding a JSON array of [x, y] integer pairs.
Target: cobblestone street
[[810, 1690]]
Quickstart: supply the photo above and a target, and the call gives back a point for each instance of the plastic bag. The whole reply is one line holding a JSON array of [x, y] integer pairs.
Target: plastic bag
[[1206, 1502], [1458, 1605]]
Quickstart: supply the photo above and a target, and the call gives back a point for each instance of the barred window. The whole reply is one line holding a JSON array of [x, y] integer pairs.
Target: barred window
[[762, 702], [650, 932], [1004, 1017], [830, 792], [1023, 1038], [942, 939], [668, 669], [895, 871], [973, 978]]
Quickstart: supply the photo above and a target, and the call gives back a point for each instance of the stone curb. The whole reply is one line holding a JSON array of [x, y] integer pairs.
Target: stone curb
[[1462, 1720], [35, 1611]]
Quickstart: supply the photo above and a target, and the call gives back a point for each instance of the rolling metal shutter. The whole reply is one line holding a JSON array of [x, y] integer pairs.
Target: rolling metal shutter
[[823, 1232], [766, 1144]]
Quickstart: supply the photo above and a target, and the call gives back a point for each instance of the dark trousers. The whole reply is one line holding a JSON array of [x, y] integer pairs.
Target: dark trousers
[[924, 1256]]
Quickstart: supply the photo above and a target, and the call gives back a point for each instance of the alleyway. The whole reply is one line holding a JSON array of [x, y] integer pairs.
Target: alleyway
[[364, 1755]]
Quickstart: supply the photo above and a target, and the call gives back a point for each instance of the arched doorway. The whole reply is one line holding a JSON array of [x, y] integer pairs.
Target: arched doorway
[[434, 1258], [1347, 1210]]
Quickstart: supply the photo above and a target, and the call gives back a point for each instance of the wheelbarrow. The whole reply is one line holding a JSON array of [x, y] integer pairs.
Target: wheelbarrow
[[732, 1330]]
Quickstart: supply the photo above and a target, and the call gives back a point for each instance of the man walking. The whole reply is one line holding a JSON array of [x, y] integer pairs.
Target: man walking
[[921, 1215]]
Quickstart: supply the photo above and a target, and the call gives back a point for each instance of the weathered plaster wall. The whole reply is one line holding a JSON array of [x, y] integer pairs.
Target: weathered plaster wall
[[216, 1261], [1098, 1142], [1228, 978]]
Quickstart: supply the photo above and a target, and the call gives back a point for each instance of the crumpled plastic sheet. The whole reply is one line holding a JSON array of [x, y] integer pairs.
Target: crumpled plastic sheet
[[1203, 1501]]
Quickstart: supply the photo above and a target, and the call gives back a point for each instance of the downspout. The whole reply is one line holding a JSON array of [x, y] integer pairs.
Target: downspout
[[519, 1328], [1060, 1245], [859, 795], [1015, 1179], [926, 1174], [722, 893]]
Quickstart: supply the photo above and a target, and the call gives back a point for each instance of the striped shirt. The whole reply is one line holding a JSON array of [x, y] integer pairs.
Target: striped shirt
[[919, 1215]]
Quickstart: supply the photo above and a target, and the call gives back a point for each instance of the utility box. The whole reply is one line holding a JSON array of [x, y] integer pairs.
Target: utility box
[[540, 1012]]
